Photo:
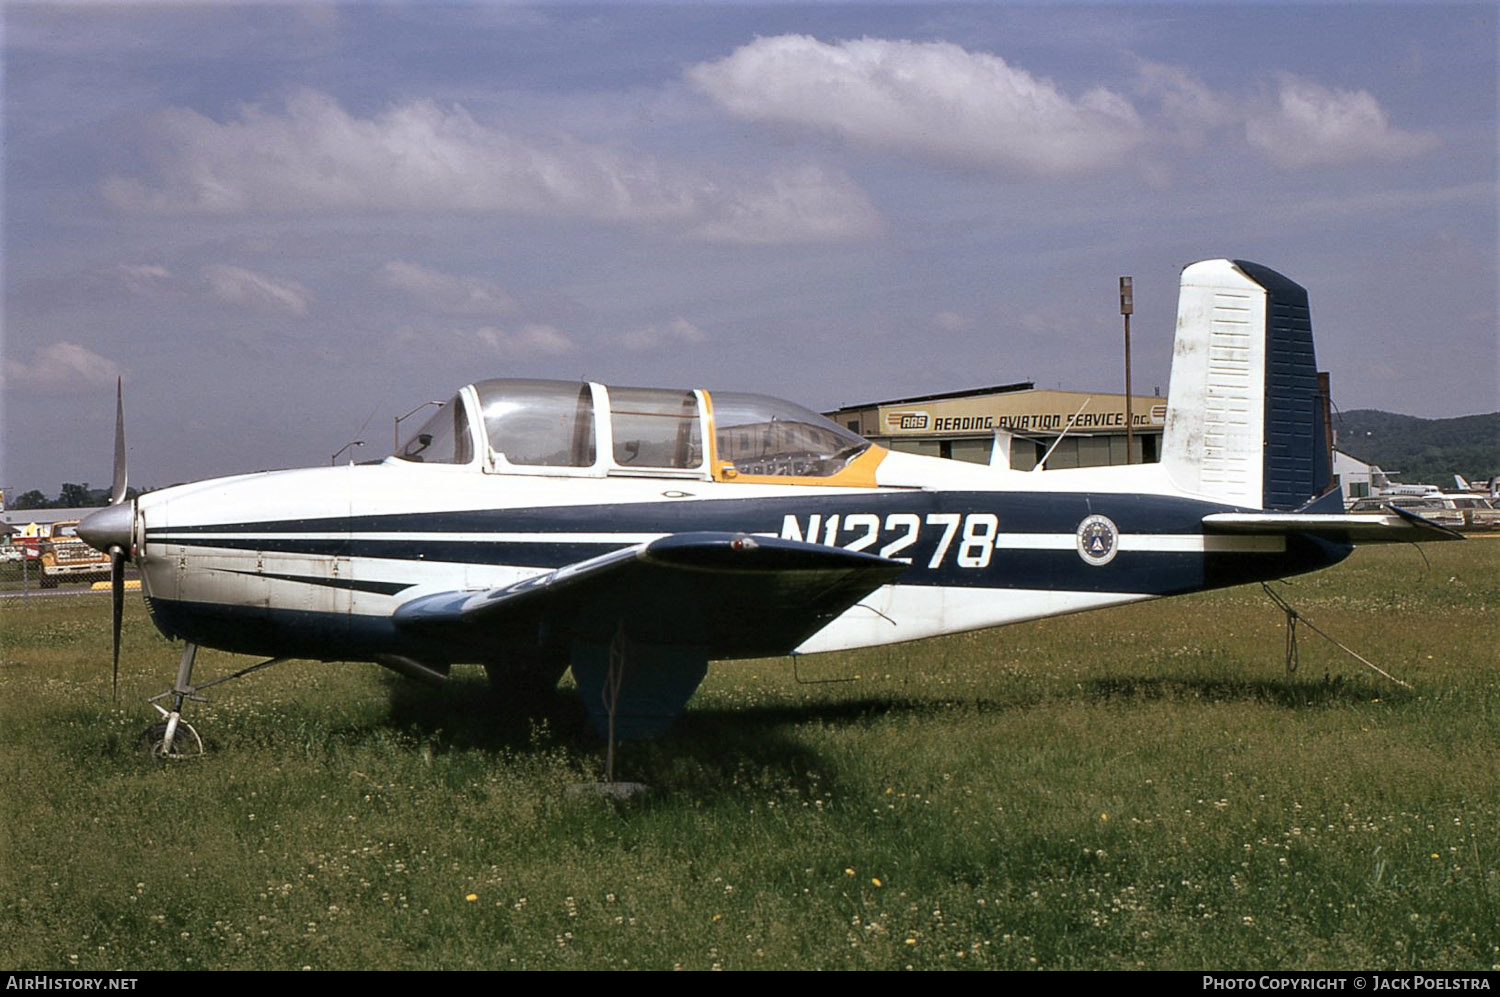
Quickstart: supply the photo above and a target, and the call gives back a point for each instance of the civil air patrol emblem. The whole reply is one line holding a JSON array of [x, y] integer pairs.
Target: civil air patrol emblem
[[1098, 540]]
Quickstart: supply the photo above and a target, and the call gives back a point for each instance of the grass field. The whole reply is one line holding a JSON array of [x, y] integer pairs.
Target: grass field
[[1143, 787]]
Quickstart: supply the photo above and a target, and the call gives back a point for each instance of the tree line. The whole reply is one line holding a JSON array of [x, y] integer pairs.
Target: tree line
[[72, 496]]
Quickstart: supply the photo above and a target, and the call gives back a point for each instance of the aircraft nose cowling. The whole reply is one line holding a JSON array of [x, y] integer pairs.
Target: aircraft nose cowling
[[108, 527]]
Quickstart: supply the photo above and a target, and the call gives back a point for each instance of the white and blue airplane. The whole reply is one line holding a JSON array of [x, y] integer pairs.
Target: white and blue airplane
[[635, 534]]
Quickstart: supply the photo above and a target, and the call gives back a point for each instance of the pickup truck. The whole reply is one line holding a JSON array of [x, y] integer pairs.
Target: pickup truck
[[62, 556]]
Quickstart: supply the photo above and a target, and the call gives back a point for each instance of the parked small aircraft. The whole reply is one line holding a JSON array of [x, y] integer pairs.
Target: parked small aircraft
[[635, 534]]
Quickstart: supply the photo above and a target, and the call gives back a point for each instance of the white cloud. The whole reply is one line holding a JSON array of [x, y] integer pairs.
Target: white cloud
[[932, 100], [447, 294], [938, 101], [1188, 109], [314, 156], [246, 287], [806, 204], [1312, 125], [142, 278], [60, 366], [678, 332], [530, 340], [952, 321]]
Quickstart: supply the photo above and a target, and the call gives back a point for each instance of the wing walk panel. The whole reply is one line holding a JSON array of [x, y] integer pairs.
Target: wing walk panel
[[727, 594]]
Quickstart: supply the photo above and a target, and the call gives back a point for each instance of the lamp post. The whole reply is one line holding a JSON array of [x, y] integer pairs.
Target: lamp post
[[396, 429], [352, 443], [1127, 306]]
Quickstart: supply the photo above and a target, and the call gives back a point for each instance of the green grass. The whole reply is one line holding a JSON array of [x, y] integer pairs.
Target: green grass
[[1143, 787]]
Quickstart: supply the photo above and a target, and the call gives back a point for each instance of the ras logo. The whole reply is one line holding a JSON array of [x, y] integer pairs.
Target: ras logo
[[906, 420], [1098, 540]]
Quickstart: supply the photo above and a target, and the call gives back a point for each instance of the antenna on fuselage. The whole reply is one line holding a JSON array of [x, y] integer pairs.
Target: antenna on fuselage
[[1041, 464]]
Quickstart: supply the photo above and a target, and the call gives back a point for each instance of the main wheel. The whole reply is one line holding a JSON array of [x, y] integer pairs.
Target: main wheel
[[185, 742]]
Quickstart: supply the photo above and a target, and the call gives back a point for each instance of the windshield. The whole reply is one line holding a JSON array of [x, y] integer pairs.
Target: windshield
[[443, 439], [763, 435]]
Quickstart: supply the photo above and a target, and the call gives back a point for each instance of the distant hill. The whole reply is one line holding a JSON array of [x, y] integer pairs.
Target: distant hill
[[1422, 451]]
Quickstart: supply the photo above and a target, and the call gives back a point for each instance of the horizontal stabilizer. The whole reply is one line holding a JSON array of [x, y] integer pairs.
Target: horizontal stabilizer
[[1395, 526], [729, 594]]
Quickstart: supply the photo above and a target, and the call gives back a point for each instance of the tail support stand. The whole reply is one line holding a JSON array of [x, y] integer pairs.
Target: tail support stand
[[613, 679], [619, 651], [1293, 618]]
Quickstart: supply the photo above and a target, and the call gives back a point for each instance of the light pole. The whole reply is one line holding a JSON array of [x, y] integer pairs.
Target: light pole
[[1127, 306], [396, 429], [352, 443]]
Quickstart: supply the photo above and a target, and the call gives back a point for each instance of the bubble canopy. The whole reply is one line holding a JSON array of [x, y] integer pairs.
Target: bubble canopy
[[516, 425]]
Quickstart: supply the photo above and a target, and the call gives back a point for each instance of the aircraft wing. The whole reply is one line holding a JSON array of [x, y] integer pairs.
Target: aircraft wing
[[1395, 526], [726, 594]]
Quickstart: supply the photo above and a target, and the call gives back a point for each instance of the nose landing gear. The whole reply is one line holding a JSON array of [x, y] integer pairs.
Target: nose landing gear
[[175, 738]]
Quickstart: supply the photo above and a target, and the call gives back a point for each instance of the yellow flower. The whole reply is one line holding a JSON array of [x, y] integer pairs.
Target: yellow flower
[[472, 897], [1104, 816], [848, 872], [876, 882]]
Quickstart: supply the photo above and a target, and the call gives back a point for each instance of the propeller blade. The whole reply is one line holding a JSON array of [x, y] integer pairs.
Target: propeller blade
[[117, 552], [117, 492], [117, 599]]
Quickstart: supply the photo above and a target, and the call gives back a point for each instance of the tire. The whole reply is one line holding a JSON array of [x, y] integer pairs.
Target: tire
[[185, 743]]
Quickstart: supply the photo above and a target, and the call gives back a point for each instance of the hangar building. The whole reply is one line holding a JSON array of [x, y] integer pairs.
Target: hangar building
[[968, 425]]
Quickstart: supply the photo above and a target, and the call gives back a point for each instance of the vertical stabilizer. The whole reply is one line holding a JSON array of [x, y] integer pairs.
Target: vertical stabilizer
[[1245, 420]]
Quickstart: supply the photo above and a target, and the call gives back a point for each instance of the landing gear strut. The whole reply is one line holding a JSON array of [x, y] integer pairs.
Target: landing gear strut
[[176, 738], [162, 740]]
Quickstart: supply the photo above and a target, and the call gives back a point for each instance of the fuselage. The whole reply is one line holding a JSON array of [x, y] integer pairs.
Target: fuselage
[[313, 562]]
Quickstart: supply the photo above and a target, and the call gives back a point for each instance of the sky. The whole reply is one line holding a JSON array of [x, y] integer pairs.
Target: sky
[[283, 225]]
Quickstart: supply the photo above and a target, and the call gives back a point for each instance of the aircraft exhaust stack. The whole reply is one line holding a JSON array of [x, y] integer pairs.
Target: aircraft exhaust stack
[[415, 670]]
